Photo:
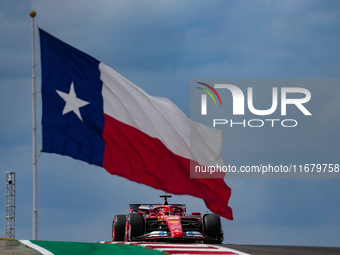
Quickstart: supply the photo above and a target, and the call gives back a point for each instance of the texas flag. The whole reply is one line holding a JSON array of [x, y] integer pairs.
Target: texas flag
[[92, 113]]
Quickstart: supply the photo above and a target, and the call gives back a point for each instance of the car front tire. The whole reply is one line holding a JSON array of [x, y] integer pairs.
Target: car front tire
[[136, 224], [118, 228], [212, 227]]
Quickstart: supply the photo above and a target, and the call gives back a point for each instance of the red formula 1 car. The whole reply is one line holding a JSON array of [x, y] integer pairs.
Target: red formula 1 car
[[166, 223]]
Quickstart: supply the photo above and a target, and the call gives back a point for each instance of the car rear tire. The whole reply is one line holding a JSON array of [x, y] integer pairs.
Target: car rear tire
[[212, 227], [118, 227], [136, 225]]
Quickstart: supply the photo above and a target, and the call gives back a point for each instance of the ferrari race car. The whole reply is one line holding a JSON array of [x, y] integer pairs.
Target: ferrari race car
[[166, 223]]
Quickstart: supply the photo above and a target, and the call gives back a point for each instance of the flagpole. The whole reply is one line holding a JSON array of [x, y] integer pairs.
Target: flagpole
[[34, 134]]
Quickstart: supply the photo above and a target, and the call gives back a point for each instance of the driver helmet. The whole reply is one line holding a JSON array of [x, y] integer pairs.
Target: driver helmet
[[165, 211]]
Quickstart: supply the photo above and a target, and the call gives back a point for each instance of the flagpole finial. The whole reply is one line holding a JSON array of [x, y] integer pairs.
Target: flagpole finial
[[33, 14]]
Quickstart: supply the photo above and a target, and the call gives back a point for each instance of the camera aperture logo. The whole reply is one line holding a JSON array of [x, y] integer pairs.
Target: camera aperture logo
[[238, 105], [204, 97]]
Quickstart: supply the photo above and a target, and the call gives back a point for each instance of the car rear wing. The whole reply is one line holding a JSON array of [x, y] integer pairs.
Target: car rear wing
[[148, 207]]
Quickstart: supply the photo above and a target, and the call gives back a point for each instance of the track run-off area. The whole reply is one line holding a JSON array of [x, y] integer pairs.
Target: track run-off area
[[105, 247], [25, 247]]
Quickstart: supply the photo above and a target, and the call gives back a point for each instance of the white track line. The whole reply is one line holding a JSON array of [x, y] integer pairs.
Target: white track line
[[36, 247], [168, 247]]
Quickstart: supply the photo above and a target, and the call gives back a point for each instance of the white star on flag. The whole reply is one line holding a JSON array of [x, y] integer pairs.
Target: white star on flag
[[72, 102]]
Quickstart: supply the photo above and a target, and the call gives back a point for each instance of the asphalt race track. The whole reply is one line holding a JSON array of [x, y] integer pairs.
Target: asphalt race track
[[14, 247]]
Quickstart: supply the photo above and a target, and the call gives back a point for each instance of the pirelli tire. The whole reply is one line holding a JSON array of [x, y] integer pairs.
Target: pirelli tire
[[118, 227], [212, 227], [136, 223]]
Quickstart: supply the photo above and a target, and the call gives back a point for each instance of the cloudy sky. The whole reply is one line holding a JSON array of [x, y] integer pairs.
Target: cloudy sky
[[160, 46]]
